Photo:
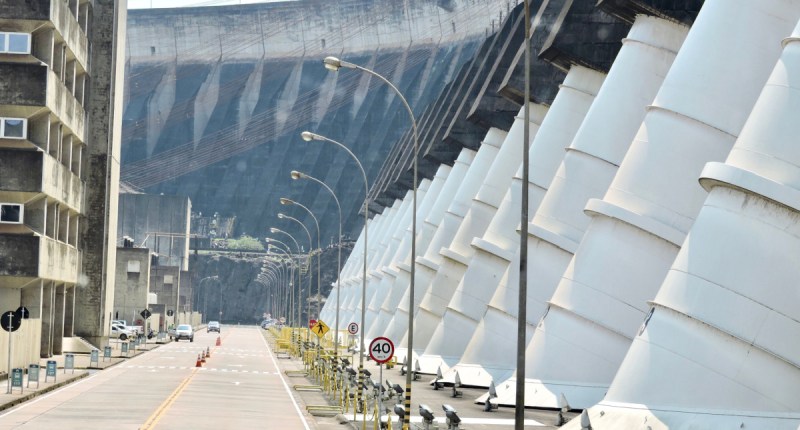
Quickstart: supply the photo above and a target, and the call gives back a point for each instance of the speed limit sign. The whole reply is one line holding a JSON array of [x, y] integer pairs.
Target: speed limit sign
[[352, 328], [381, 350]]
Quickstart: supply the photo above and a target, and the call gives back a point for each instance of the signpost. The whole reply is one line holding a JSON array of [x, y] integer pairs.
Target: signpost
[[381, 349], [33, 375], [312, 324], [145, 313], [11, 322], [319, 328], [352, 328], [107, 353], [51, 370], [23, 312]]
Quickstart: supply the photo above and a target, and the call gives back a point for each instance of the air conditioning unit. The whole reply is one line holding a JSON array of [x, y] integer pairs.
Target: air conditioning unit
[[11, 213]]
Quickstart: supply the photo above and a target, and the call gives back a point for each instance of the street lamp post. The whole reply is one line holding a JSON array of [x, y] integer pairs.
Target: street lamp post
[[334, 64], [308, 136], [297, 247], [299, 175], [310, 247], [288, 252], [289, 202]]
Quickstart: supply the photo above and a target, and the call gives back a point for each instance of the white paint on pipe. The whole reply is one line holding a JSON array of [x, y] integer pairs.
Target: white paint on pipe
[[639, 225], [586, 172], [494, 251]]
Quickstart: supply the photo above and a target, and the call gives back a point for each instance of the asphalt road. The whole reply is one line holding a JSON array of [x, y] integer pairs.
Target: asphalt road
[[239, 386]]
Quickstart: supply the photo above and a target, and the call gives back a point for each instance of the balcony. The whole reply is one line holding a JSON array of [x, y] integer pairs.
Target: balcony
[[28, 16], [38, 173], [24, 258], [26, 88]]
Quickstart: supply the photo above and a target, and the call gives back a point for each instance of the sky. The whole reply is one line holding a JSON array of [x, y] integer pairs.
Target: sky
[[146, 4]]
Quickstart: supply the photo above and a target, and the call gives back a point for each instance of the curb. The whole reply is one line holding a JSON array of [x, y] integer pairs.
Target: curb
[[36, 393], [57, 385]]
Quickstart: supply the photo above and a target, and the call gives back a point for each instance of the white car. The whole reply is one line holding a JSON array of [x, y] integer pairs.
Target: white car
[[183, 331], [120, 332]]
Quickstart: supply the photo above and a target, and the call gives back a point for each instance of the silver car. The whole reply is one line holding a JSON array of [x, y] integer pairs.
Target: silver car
[[183, 331]]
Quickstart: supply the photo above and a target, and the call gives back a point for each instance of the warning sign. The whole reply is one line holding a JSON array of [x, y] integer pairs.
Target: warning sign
[[320, 328]]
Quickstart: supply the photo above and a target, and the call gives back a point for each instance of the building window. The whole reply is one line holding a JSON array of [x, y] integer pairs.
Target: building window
[[15, 43], [11, 213], [133, 266], [13, 128]]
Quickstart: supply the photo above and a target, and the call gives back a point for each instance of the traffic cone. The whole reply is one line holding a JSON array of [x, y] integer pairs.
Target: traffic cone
[[219, 341], [208, 352], [203, 357], [199, 362]]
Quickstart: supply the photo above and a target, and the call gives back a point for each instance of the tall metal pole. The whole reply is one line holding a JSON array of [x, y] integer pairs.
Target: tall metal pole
[[310, 246], [297, 247], [333, 63], [308, 136], [286, 201], [519, 409], [299, 175]]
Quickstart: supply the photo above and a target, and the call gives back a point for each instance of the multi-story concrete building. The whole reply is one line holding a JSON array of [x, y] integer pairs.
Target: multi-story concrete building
[[60, 97], [160, 224]]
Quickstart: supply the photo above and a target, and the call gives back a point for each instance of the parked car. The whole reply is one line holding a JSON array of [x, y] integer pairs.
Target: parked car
[[183, 331], [212, 326], [120, 332]]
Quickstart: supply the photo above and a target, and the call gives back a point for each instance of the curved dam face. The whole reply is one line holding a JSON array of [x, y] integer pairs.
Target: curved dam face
[[216, 97]]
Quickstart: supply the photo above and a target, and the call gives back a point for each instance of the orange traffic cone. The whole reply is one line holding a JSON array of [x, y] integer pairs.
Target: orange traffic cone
[[203, 357], [219, 341], [199, 362], [208, 352]]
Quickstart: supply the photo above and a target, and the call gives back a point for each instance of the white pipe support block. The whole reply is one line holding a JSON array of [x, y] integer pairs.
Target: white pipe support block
[[586, 172], [653, 200], [495, 250], [717, 332], [394, 292], [456, 257], [391, 239], [428, 265], [398, 325]]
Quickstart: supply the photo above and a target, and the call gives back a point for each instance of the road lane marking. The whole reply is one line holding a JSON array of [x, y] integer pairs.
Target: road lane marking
[[159, 412]]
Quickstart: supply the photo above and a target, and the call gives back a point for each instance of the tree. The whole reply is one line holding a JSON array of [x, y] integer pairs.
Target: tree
[[245, 243]]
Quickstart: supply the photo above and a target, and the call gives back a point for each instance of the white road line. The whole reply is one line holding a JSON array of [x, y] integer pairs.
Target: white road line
[[285, 385]]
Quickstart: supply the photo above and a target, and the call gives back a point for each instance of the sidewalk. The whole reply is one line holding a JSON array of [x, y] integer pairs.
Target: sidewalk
[[82, 369], [473, 416]]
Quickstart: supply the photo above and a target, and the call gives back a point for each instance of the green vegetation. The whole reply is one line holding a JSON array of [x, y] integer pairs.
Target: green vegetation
[[245, 243]]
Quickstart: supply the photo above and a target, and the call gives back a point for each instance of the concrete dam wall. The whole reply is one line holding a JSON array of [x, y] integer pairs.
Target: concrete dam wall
[[216, 98]]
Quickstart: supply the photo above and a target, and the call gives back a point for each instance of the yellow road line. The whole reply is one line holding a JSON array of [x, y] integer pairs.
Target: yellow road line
[[159, 412]]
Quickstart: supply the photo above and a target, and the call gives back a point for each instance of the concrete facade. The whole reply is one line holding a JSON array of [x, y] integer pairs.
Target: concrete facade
[[132, 283], [165, 283], [102, 171], [160, 223], [58, 137], [247, 79]]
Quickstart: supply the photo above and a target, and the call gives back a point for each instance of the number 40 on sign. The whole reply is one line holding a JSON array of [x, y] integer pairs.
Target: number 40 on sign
[[381, 350]]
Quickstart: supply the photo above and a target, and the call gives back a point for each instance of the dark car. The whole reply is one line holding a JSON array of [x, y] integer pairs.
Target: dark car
[[212, 326]]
